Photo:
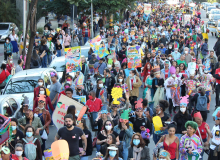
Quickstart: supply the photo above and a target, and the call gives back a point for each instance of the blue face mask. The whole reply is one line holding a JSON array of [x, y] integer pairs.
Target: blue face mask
[[13, 128], [29, 134], [112, 153], [136, 142]]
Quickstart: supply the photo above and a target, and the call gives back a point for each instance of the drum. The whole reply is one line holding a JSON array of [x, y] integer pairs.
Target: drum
[[93, 116]]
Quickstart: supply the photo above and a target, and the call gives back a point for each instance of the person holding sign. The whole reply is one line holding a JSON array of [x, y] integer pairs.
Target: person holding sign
[[71, 134]]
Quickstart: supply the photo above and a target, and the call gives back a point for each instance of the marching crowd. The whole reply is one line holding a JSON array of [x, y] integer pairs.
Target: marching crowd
[[178, 75]]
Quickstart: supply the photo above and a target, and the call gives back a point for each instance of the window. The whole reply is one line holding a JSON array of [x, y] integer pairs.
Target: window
[[46, 79], [9, 107]]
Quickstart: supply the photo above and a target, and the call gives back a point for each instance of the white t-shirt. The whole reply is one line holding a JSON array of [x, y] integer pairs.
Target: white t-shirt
[[216, 136], [53, 57]]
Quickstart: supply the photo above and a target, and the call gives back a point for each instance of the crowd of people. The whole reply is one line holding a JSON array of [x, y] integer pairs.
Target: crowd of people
[[178, 76]]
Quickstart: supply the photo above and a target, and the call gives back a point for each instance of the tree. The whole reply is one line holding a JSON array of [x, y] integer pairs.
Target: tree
[[8, 11]]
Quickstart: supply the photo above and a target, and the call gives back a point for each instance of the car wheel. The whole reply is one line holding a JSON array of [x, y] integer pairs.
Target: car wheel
[[215, 35]]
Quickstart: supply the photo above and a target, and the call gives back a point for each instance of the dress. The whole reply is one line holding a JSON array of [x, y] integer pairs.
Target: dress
[[192, 142], [148, 92], [14, 39]]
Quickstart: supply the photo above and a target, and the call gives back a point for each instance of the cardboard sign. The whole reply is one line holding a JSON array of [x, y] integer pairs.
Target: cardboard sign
[[147, 9], [134, 56], [157, 123], [60, 150], [60, 111], [72, 59]]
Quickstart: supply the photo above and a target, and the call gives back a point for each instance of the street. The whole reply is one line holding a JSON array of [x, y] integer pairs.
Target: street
[[211, 42]]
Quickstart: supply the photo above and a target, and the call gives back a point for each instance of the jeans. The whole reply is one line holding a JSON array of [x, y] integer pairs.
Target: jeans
[[85, 39], [43, 145], [84, 158], [51, 112], [125, 150], [49, 58], [58, 53], [98, 147], [44, 62], [80, 42]]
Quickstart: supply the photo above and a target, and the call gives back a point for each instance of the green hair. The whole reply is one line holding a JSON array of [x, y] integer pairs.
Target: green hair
[[191, 124]]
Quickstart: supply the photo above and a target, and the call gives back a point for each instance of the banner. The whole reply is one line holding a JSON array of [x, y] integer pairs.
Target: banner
[[60, 111], [101, 51], [72, 59], [134, 56], [147, 9]]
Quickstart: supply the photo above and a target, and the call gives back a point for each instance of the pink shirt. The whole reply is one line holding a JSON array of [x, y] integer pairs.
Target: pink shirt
[[67, 40]]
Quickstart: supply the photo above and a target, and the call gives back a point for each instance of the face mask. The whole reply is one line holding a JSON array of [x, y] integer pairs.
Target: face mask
[[120, 80], [68, 82], [29, 134], [183, 110], [18, 153], [108, 127], [186, 52], [90, 97], [11, 61], [40, 83], [169, 58], [173, 75], [112, 153], [7, 41], [13, 128], [100, 85], [130, 75], [42, 92], [159, 112], [109, 66], [136, 142], [170, 47]]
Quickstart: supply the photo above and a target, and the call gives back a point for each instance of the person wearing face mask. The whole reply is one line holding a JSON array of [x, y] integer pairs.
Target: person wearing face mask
[[69, 80], [94, 104], [188, 57], [10, 64], [18, 152], [172, 86], [100, 91], [112, 69], [170, 142], [42, 91], [138, 150], [8, 48], [109, 83], [24, 108], [122, 54], [17, 135], [169, 49], [44, 116], [29, 138], [111, 140], [81, 92], [112, 153], [176, 55]]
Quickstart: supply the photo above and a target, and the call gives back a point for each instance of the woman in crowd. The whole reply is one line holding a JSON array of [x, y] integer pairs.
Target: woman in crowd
[[88, 135], [40, 83], [112, 153], [10, 64], [121, 81], [75, 41], [29, 137], [111, 140], [160, 111], [14, 40], [8, 48], [148, 92], [125, 133], [146, 71], [134, 84], [19, 149], [72, 110], [170, 142], [182, 117], [140, 123], [17, 135], [85, 68], [190, 141], [138, 150], [23, 109], [45, 118], [42, 91], [108, 129], [3, 76], [202, 131], [164, 155], [183, 74]]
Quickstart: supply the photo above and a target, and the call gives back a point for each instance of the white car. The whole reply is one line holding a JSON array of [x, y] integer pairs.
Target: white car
[[23, 84]]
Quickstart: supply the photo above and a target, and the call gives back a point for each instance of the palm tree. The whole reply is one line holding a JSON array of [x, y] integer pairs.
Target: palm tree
[[8, 11]]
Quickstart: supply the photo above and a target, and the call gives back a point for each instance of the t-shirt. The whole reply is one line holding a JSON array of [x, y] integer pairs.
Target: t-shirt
[[202, 130], [54, 89], [216, 136], [94, 106], [72, 137], [179, 61], [217, 71]]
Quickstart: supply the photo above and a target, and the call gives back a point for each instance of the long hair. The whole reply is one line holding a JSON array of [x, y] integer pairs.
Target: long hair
[[145, 70]]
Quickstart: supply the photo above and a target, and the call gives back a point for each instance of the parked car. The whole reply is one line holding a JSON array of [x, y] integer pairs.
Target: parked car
[[23, 84], [6, 29], [209, 10], [213, 12]]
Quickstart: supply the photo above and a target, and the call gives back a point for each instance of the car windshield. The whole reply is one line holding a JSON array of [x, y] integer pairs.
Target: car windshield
[[216, 17], [211, 8], [21, 85], [215, 12], [4, 26]]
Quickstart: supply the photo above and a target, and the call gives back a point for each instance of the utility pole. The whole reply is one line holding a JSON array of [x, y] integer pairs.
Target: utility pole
[[24, 18], [92, 18]]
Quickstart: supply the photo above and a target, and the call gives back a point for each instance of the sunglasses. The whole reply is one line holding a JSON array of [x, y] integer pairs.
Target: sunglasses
[[114, 106], [139, 109], [124, 120]]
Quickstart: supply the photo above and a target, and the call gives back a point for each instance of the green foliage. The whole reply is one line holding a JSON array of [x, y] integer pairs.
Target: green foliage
[[40, 30], [41, 11], [8, 11], [58, 7]]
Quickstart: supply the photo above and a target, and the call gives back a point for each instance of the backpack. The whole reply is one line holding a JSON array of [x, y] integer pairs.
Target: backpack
[[201, 103], [30, 149]]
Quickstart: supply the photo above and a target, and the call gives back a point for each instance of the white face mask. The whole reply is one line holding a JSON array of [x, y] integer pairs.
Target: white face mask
[[100, 85], [169, 58], [109, 66], [18, 153], [176, 51], [42, 92], [183, 110], [170, 47], [186, 52], [40, 83], [7, 41], [173, 75], [130, 75], [159, 112], [11, 61], [120, 80], [108, 127], [68, 82]]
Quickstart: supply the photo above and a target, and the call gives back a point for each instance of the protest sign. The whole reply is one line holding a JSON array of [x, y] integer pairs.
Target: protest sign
[[81, 99], [134, 56], [147, 9], [72, 59], [60, 111]]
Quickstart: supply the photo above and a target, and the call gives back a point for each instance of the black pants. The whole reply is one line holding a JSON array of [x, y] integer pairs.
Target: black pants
[[43, 145], [6, 55], [170, 105], [212, 157], [217, 91], [190, 104], [204, 115], [183, 90], [132, 100]]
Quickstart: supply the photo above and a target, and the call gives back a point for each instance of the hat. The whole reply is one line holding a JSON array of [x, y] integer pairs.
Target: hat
[[184, 101], [53, 74], [25, 101], [217, 116], [139, 104], [104, 109], [42, 98], [192, 124], [197, 114], [125, 114], [172, 70], [156, 69], [112, 147]]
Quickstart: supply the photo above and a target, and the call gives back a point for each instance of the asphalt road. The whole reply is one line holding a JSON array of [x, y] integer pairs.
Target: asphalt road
[[210, 121]]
